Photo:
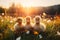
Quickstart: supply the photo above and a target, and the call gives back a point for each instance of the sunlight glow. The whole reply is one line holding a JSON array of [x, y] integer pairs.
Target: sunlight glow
[[29, 3]]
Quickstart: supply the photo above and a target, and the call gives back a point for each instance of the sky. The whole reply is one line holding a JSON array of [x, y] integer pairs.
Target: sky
[[29, 3]]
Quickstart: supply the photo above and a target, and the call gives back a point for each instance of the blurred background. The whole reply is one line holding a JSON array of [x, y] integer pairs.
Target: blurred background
[[48, 10]]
